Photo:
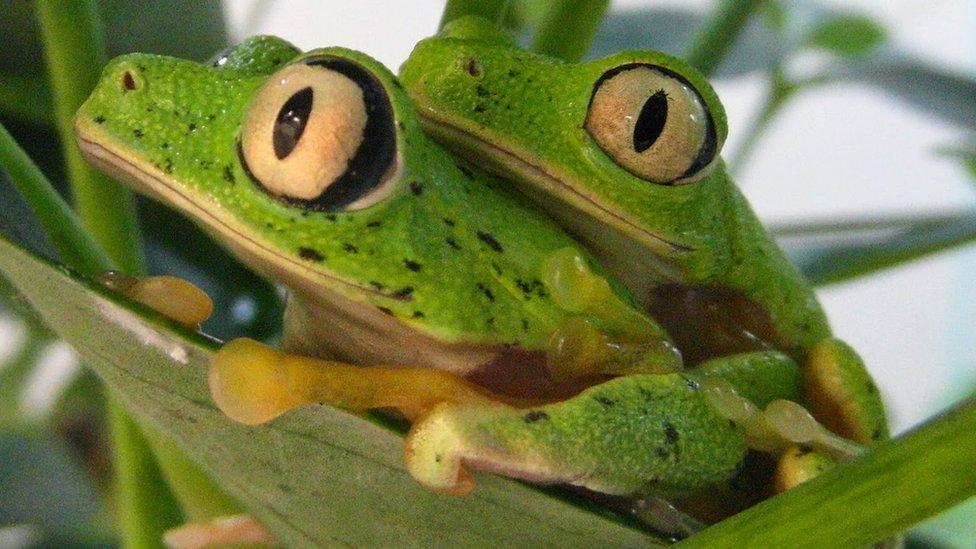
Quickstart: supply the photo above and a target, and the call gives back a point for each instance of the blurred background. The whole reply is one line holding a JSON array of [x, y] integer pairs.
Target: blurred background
[[867, 145]]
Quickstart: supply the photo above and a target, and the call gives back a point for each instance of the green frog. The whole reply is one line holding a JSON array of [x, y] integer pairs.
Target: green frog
[[313, 168], [624, 152]]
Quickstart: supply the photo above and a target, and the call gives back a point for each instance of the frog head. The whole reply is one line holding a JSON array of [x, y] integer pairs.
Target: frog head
[[313, 168], [625, 152]]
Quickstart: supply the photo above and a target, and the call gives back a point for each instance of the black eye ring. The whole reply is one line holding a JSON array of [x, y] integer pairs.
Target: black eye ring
[[653, 115], [377, 151]]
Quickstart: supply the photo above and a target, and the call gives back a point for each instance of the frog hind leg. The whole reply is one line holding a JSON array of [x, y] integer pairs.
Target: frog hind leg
[[634, 434], [841, 393]]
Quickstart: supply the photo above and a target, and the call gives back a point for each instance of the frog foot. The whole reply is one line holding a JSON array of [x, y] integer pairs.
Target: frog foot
[[234, 530], [625, 342], [781, 424], [841, 393], [175, 298]]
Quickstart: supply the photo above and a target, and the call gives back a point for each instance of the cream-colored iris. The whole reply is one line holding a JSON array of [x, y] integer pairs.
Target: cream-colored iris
[[650, 123], [331, 133]]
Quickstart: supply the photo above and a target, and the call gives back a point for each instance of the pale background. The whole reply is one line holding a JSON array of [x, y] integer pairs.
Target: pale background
[[843, 150]]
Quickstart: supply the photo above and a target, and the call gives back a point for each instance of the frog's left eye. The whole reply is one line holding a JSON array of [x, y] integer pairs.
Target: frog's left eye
[[652, 123], [320, 134]]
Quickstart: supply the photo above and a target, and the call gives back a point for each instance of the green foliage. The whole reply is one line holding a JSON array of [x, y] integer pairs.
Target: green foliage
[[847, 35]]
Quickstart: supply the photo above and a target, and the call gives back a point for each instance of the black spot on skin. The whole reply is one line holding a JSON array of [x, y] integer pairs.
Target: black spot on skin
[[137, 133], [373, 224], [671, 433], [731, 425], [229, 174], [378, 286], [418, 314], [535, 415], [403, 293], [803, 450], [168, 165], [350, 248], [99, 119], [480, 108], [496, 268], [192, 127], [452, 243], [608, 402], [525, 324], [332, 217], [490, 321], [488, 239], [691, 383], [466, 171], [481, 91], [512, 73], [309, 254], [165, 145], [485, 290], [662, 453], [877, 434], [449, 222], [412, 265], [417, 188], [211, 117], [472, 67], [385, 310], [438, 458]]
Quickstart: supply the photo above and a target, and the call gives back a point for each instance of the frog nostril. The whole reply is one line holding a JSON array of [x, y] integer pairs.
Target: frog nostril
[[131, 81]]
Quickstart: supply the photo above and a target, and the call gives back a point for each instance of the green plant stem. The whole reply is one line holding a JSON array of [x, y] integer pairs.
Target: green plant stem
[[492, 10], [75, 58], [568, 27], [718, 34], [898, 483], [63, 228], [146, 506], [778, 91]]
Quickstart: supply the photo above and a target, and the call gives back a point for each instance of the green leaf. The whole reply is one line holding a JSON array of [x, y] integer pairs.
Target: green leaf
[[317, 476], [834, 252], [847, 35], [885, 491]]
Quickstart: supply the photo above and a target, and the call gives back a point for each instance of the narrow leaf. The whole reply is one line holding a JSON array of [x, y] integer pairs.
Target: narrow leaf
[[317, 476], [896, 484]]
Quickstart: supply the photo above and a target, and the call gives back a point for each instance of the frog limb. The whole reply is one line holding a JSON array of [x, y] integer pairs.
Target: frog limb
[[628, 435], [609, 336], [173, 297], [253, 383], [841, 393], [220, 532]]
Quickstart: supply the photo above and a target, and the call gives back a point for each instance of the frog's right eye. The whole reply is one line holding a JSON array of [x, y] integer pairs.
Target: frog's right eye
[[653, 123], [320, 134]]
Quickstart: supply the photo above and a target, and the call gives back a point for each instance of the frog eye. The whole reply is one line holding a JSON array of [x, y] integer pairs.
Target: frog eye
[[652, 123], [320, 135]]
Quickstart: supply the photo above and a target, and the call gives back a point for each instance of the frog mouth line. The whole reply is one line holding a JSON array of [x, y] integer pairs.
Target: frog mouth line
[[508, 157], [113, 162]]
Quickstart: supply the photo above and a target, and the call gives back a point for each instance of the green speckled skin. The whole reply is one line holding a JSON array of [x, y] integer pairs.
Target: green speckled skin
[[533, 107], [454, 255], [491, 102], [442, 254], [633, 435]]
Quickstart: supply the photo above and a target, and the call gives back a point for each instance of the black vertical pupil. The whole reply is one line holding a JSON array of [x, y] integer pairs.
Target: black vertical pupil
[[650, 121], [291, 121]]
